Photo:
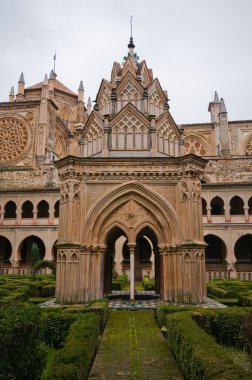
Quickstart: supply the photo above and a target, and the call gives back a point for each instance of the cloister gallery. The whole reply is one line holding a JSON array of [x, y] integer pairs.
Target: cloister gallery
[[122, 185]]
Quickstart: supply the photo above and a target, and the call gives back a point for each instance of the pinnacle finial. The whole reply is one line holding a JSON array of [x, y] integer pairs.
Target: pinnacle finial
[[222, 106], [21, 79], [45, 83], [81, 87], [12, 91], [216, 97], [131, 43]]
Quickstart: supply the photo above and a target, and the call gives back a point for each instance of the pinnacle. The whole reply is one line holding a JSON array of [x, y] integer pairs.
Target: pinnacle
[[81, 87], [45, 80], [222, 106], [21, 79], [216, 97], [12, 91]]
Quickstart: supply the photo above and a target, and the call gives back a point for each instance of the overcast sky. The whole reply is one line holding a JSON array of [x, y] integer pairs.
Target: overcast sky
[[194, 47]]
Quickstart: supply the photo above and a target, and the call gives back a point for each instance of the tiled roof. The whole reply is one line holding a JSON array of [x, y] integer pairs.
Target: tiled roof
[[58, 86]]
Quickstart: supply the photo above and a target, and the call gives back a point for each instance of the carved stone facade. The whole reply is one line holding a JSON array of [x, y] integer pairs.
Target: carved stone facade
[[124, 170]]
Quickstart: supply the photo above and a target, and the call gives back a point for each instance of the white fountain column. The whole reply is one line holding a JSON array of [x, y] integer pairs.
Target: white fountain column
[[132, 271]]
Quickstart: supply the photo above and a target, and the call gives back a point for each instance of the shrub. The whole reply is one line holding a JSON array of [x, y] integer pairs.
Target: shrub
[[48, 291], [216, 292], [245, 300], [231, 294], [55, 327], [148, 284], [197, 354], [226, 325], [22, 355], [163, 310], [74, 360], [120, 282]]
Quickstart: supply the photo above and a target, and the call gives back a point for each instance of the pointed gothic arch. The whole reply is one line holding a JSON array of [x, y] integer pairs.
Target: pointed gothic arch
[[115, 209]]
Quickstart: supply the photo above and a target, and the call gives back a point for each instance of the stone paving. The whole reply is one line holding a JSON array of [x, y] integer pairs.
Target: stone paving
[[133, 348]]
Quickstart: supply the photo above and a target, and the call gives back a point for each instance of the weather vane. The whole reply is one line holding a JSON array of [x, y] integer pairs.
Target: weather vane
[[54, 59]]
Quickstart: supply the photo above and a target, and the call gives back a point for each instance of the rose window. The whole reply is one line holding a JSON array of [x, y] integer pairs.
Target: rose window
[[194, 146], [14, 139]]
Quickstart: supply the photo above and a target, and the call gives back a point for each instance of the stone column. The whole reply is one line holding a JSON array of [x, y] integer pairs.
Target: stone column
[[132, 271]]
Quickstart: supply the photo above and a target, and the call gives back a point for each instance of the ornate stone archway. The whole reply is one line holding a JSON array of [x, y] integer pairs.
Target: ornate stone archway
[[100, 195]]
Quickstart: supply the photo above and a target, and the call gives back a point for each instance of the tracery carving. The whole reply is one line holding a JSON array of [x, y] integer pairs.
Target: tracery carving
[[131, 214], [229, 170], [192, 145], [166, 138], [248, 149], [93, 139], [59, 144], [155, 104], [190, 189], [15, 139], [129, 133]]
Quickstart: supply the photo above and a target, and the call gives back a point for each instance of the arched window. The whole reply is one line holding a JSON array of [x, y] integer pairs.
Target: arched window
[[10, 210], [243, 249], [250, 206], [56, 209], [204, 207], [236, 206], [126, 252], [217, 206], [5, 250], [145, 249], [43, 210], [215, 252], [27, 210], [25, 249]]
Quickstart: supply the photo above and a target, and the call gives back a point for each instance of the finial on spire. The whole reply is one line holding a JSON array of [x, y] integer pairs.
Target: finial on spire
[[216, 97], [89, 106], [131, 43], [54, 61], [21, 79], [222, 106]]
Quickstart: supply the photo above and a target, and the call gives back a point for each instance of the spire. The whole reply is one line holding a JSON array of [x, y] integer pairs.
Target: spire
[[216, 97], [131, 44], [81, 92], [11, 96], [81, 87], [222, 106], [21, 79]]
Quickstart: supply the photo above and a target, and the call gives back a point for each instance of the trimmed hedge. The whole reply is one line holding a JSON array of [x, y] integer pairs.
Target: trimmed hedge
[[226, 325], [148, 284], [216, 292], [163, 310], [21, 288], [74, 360], [22, 353], [56, 326], [198, 355]]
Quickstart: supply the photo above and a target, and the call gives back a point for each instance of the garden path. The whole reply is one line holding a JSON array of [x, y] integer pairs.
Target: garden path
[[133, 348]]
